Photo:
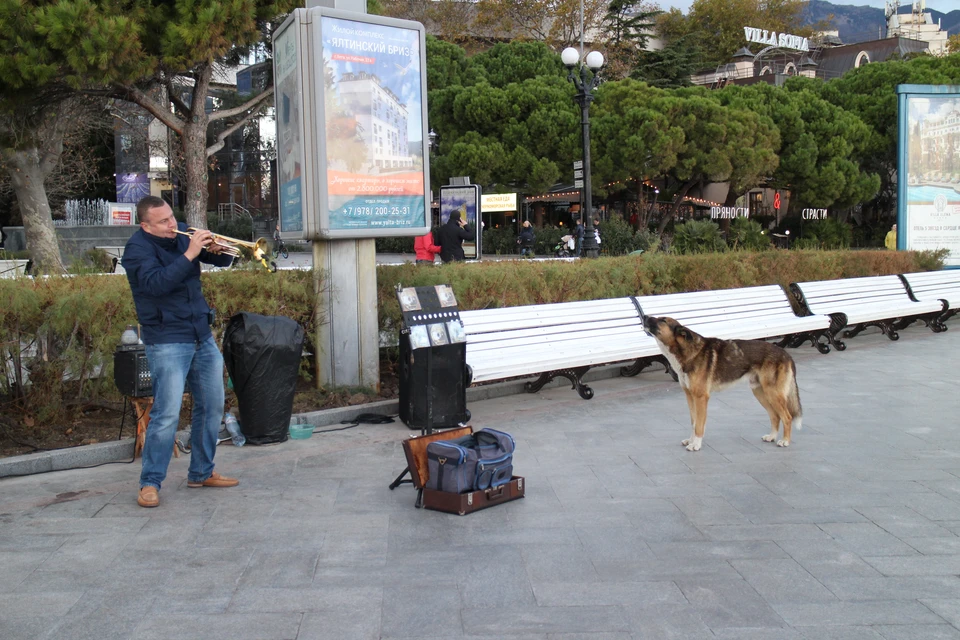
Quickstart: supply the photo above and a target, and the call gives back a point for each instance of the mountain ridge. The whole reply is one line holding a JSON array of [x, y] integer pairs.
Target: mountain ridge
[[862, 23]]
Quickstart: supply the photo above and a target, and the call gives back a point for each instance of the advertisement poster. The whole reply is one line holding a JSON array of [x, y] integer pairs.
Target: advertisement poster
[[131, 187], [930, 140], [121, 213], [289, 137], [372, 106], [466, 201]]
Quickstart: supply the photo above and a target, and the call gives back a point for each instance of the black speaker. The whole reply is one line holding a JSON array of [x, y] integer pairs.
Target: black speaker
[[433, 355], [131, 373], [433, 385]]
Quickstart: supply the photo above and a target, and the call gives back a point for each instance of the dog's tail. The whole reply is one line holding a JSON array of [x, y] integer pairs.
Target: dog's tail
[[793, 398]]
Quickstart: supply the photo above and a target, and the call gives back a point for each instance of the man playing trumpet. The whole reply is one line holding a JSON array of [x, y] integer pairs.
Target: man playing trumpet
[[162, 265]]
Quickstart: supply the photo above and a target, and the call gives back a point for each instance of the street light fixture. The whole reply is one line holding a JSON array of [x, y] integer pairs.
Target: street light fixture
[[585, 81]]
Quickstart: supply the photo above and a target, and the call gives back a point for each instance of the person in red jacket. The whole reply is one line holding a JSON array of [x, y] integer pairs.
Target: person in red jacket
[[425, 249]]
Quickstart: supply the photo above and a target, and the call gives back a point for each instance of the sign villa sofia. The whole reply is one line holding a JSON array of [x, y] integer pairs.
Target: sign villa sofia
[[784, 40]]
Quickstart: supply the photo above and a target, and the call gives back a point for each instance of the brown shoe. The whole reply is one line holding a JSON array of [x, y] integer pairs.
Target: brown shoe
[[215, 480], [148, 497]]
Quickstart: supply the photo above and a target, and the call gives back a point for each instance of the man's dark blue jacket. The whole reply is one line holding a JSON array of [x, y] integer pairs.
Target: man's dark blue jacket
[[166, 287]]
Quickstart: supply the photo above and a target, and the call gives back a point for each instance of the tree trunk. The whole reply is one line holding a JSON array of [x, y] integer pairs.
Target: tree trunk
[[26, 177], [195, 164], [676, 206]]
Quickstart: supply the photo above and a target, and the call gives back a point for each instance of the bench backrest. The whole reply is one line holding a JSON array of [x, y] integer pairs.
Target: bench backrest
[[560, 321], [833, 296], [749, 304], [934, 284]]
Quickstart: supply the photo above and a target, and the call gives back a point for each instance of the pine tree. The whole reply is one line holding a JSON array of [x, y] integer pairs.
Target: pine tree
[[149, 53]]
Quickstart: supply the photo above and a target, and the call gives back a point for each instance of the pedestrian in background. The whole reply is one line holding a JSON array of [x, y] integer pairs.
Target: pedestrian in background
[[527, 240], [578, 234], [425, 248], [890, 242], [451, 237]]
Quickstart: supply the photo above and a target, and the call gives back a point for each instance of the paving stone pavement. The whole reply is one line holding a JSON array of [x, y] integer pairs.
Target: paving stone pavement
[[851, 533]]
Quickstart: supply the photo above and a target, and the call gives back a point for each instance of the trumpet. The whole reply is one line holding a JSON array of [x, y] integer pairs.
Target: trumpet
[[231, 246]]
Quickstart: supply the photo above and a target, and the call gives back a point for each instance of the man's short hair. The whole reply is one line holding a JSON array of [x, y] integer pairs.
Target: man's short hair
[[146, 203], [455, 215]]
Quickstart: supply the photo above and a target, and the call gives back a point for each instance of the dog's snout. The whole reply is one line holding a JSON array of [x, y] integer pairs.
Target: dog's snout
[[649, 324]]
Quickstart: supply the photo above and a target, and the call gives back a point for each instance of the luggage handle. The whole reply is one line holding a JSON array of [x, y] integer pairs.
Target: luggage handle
[[495, 494]]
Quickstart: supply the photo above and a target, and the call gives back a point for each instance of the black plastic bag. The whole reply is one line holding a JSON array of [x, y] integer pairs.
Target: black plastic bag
[[262, 354]]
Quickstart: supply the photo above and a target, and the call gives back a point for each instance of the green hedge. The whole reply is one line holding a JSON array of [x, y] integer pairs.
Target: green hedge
[[66, 328]]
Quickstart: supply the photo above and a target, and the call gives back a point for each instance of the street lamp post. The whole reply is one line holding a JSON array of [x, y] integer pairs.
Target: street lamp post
[[585, 78]]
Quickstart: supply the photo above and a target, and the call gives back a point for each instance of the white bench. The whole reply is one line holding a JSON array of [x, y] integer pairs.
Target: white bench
[[749, 313], [115, 254], [936, 285], [877, 301], [562, 339], [13, 268]]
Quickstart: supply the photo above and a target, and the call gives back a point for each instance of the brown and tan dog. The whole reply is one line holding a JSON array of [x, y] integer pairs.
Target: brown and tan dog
[[704, 365]]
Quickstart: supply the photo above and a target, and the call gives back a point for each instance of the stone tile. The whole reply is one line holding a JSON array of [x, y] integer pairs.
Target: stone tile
[[916, 565], [867, 539], [305, 600], [286, 568], [225, 626], [856, 613], [918, 632], [27, 628], [782, 580], [559, 563], [947, 608], [667, 621], [711, 550], [423, 611], [631, 594], [724, 603], [500, 622], [894, 588], [36, 605]]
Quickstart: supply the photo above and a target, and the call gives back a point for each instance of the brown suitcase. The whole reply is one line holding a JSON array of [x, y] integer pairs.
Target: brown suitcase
[[415, 449], [464, 503]]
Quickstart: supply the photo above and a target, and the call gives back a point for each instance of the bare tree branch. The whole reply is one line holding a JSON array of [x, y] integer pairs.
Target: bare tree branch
[[155, 108], [249, 105]]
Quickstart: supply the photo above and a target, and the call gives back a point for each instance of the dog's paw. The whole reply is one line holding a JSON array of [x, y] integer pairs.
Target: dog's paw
[[770, 437], [686, 441], [783, 443], [694, 444]]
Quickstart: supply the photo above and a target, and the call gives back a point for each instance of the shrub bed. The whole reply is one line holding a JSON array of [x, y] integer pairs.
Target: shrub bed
[[63, 330]]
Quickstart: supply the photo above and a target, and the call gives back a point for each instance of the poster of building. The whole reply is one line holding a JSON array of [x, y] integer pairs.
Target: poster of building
[[465, 200], [929, 169], [373, 115], [289, 101]]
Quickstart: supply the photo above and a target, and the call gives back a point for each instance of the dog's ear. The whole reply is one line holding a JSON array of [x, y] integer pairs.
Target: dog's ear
[[683, 332]]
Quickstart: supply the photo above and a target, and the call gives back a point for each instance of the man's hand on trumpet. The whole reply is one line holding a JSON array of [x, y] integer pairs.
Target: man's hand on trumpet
[[200, 239]]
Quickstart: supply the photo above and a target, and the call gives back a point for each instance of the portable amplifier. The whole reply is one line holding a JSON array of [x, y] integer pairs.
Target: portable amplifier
[[131, 373]]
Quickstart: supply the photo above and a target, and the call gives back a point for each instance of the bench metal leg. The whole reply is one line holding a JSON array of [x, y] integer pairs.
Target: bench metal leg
[[642, 363], [574, 375], [932, 320], [886, 326], [837, 322]]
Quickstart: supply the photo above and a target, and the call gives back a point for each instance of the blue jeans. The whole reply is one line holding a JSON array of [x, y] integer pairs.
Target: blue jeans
[[172, 366]]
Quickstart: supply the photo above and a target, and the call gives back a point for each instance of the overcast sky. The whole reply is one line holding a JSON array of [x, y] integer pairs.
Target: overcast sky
[[945, 6]]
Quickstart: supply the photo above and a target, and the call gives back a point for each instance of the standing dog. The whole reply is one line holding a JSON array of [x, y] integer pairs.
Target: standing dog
[[705, 365]]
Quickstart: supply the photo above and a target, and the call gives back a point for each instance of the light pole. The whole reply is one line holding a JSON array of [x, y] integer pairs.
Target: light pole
[[585, 81]]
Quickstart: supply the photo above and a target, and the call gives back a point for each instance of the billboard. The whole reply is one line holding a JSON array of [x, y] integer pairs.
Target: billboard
[[928, 169], [288, 95], [122, 213], [466, 201], [361, 166]]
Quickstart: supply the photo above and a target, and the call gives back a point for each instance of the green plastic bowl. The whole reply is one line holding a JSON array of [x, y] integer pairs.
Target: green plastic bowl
[[301, 431]]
